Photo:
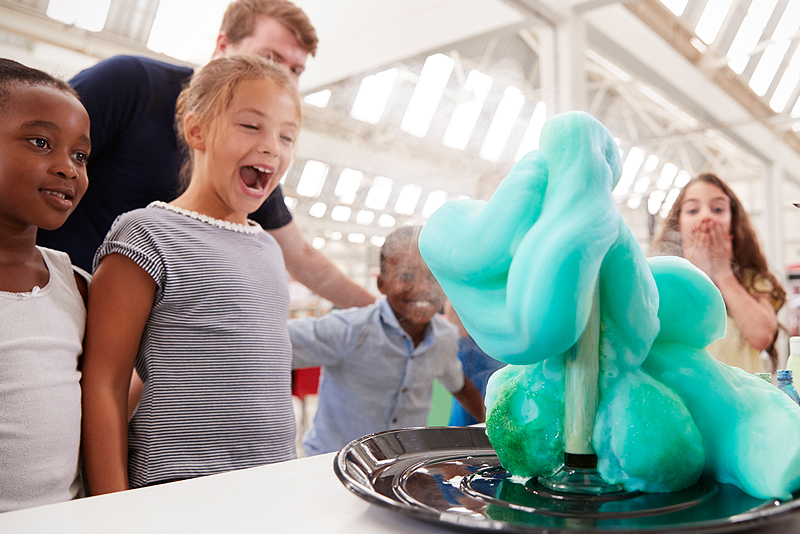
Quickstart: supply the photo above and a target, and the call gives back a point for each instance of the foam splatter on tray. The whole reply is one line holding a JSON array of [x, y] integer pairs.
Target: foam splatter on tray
[[522, 271]]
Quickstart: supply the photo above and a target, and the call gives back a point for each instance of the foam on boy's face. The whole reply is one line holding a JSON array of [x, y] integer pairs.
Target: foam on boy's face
[[410, 288], [44, 146]]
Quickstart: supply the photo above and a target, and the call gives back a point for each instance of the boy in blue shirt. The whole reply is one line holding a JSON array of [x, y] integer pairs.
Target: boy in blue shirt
[[379, 362]]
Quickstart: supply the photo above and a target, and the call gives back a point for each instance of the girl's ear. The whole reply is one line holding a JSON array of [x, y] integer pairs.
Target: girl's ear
[[194, 132]]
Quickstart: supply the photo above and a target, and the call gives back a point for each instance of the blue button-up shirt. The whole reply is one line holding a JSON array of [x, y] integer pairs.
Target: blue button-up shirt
[[373, 378]]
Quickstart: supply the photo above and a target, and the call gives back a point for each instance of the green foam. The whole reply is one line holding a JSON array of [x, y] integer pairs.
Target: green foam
[[520, 271], [525, 417]]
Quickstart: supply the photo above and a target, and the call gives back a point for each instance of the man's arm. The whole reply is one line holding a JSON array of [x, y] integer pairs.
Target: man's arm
[[312, 269]]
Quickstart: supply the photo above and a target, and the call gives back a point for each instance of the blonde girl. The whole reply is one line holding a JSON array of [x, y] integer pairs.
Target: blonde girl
[[194, 296]]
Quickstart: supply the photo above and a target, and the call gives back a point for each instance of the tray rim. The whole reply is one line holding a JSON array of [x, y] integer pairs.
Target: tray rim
[[738, 523]]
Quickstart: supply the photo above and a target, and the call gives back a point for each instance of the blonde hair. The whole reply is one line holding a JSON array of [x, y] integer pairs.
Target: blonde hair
[[240, 16], [212, 89]]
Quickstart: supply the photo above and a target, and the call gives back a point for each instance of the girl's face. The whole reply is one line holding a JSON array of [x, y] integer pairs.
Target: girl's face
[[44, 145], [704, 204], [251, 147]]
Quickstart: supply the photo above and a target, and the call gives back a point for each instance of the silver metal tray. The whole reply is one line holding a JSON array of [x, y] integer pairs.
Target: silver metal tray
[[451, 476]]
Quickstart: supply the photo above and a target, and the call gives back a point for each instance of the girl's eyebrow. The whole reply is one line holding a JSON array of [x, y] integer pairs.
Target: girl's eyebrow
[[39, 123], [261, 114], [50, 125]]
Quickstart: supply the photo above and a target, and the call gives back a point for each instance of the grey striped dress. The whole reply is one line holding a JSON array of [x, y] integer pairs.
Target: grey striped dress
[[215, 356]]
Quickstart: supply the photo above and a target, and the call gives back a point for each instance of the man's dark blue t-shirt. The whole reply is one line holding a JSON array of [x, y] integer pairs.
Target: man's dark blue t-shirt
[[135, 157]]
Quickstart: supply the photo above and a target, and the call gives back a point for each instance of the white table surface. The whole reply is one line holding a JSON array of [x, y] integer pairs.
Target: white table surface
[[303, 495]]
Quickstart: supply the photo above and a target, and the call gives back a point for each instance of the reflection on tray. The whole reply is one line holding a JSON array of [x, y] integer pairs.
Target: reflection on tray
[[452, 475]]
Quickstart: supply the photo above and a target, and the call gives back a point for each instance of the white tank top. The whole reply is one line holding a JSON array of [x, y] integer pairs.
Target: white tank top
[[41, 335]]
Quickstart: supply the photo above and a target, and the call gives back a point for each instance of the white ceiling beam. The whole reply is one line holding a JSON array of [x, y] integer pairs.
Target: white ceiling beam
[[731, 27], [549, 11], [693, 11], [671, 66], [339, 140], [766, 36], [581, 6], [392, 30], [562, 63], [37, 27]]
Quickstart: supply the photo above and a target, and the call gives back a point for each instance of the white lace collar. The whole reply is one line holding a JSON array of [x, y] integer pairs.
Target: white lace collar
[[251, 227]]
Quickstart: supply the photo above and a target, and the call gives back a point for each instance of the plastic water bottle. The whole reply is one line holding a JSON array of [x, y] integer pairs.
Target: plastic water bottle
[[793, 362], [785, 384]]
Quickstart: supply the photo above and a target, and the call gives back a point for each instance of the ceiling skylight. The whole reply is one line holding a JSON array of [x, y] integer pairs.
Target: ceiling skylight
[[341, 213], [386, 221], [768, 67], [641, 184], [669, 201], [87, 14], [634, 201], [502, 123], [682, 179], [466, 114], [530, 141], [790, 22], [407, 199], [319, 99], [650, 163], [318, 242], [365, 217], [629, 170], [711, 20], [318, 210], [427, 94], [195, 46], [655, 200], [377, 240], [290, 202], [356, 237], [378, 194], [786, 86], [668, 173], [372, 96], [347, 186], [749, 33], [434, 202], [312, 179]]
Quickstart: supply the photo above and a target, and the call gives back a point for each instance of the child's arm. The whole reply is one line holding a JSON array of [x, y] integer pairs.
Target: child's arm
[[471, 399], [121, 296], [319, 341], [753, 313], [712, 252]]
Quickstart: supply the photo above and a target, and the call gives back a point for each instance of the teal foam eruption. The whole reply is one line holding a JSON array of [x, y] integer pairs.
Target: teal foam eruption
[[523, 272]]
